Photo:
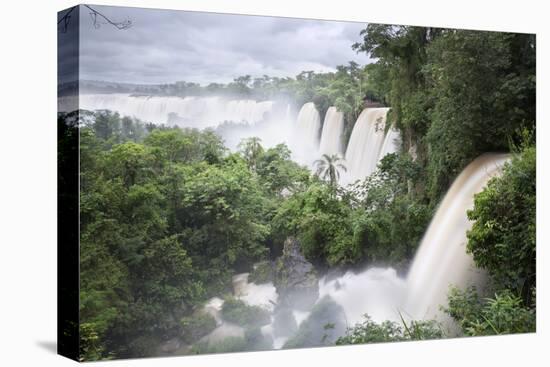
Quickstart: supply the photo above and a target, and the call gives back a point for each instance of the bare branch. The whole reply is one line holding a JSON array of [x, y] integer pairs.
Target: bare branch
[[63, 23], [96, 16]]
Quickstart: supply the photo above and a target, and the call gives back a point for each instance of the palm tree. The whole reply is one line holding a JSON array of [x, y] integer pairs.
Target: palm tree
[[328, 168], [251, 149]]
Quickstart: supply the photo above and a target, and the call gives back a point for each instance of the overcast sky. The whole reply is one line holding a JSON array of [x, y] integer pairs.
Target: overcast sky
[[166, 46]]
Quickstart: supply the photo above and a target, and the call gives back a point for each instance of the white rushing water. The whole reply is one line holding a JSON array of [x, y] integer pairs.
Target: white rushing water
[[199, 112], [377, 292], [263, 295], [366, 140], [331, 136], [392, 142], [308, 124], [441, 259]]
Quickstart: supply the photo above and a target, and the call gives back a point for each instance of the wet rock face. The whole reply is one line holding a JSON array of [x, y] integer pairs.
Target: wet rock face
[[323, 326], [295, 278]]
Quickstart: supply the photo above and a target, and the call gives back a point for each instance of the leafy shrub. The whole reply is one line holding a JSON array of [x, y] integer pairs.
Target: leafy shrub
[[503, 314], [238, 312], [392, 219], [230, 344], [388, 331], [90, 346], [319, 220], [503, 236], [196, 326]]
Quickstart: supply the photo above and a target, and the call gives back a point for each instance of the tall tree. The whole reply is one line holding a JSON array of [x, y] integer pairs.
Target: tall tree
[[329, 167]]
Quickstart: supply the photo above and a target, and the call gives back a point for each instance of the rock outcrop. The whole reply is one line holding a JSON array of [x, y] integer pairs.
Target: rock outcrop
[[295, 278]]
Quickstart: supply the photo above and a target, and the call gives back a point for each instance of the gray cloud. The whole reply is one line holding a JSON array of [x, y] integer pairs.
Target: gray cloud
[[165, 46]]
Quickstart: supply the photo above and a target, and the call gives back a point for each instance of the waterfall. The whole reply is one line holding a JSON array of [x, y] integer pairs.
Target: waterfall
[[198, 112], [392, 142], [308, 124], [441, 259], [365, 143], [331, 136]]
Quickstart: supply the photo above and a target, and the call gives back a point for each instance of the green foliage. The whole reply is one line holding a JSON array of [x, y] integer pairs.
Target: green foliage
[[371, 332], [329, 168], [253, 340], [454, 93], [318, 218], [165, 221], [251, 150], [278, 173], [392, 219], [238, 312], [503, 235], [196, 326], [168, 215], [381, 219], [90, 344], [230, 344], [503, 314], [222, 208], [484, 85]]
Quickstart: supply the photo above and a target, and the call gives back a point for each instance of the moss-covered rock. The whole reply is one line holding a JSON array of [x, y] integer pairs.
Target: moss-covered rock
[[238, 312], [324, 325], [295, 278]]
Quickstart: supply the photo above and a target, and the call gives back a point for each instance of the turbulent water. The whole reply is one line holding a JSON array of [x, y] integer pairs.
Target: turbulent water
[[440, 261], [377, 292], [331, 136]]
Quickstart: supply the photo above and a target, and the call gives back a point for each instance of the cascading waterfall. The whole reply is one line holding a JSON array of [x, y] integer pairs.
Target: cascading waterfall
[[392, 142], [199, 112], [368, 143], [308, 124], [365, 143], [331, 136], [441, 259]]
